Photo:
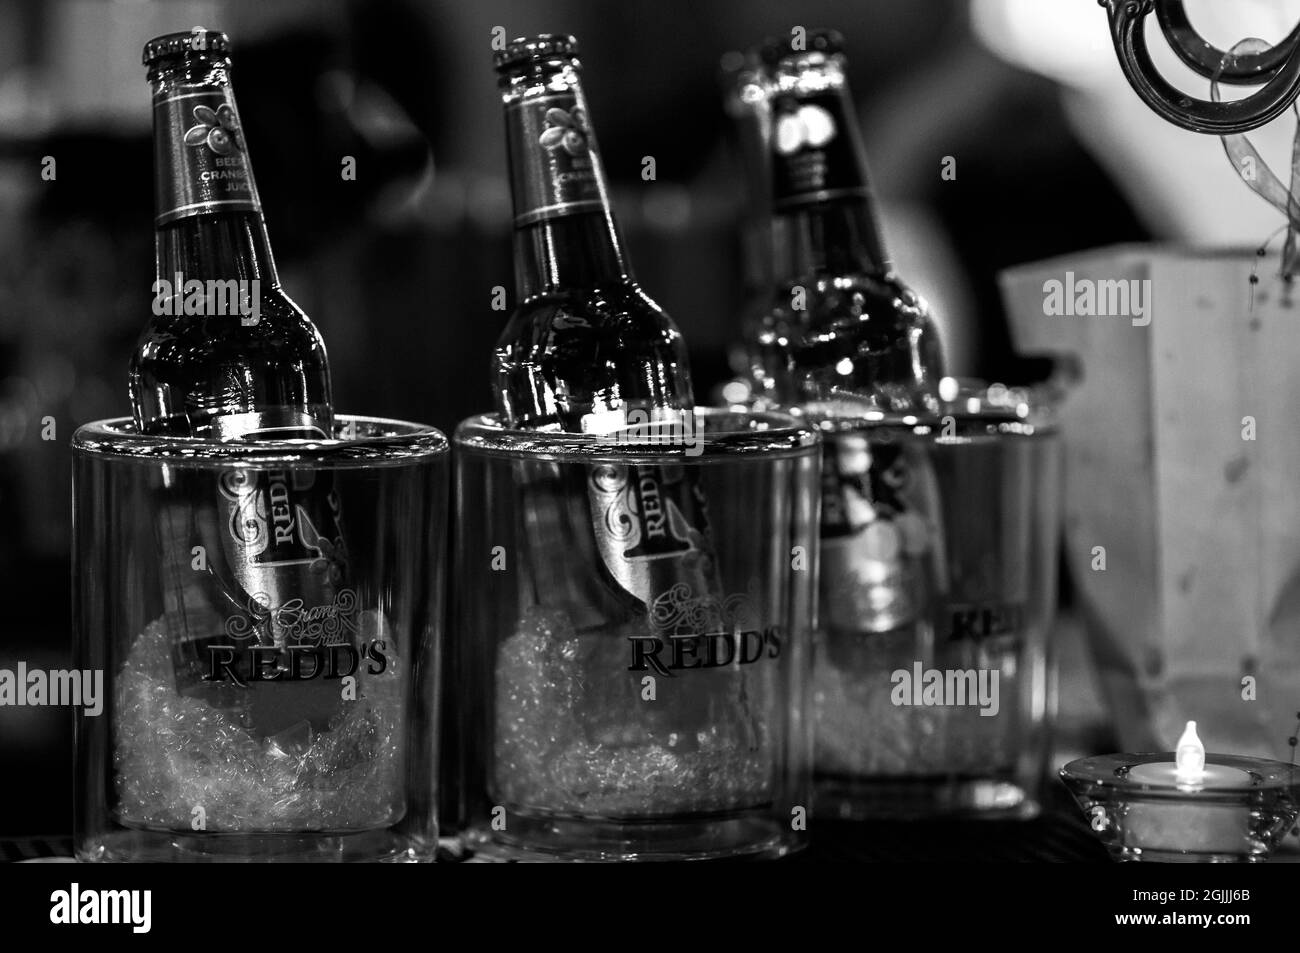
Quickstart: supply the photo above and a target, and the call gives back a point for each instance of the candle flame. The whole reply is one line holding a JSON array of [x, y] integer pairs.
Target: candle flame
[[1189, 761]]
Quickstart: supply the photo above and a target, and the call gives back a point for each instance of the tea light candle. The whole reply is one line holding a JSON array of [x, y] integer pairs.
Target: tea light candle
[[1188, 770], [1188, 824], [1192, 808]]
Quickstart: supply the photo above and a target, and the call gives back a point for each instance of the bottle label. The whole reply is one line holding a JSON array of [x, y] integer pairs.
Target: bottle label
[[283, 542], [816, 153], [552, 158], [268, 618], [651, 529], [283, 536], [874, 541], [200, 161]]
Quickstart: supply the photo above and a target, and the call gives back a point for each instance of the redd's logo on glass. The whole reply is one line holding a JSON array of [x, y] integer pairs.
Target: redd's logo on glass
[[978, 622], [244, 664], [309, 642], [692, 632], [296, 621], [218, 129]]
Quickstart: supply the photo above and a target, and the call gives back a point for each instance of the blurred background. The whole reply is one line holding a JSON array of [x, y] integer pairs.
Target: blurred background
[[1053, 154]]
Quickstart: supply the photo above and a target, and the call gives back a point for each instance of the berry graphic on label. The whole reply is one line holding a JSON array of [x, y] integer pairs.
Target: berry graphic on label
[[808, 126], [566, 130], [219, 142], [218, 129], [819, 126]]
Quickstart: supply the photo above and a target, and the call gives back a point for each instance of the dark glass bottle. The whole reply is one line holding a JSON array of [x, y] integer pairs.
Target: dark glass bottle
[[228, 356], [585, 345], [843, 334], [846, 342], [586, 350], [258, 367], [621, 551]]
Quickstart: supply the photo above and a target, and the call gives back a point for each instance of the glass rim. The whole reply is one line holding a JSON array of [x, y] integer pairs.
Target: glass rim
[[1108, 773], [377, 441], [778, 434], [932, 427], [961, 410]]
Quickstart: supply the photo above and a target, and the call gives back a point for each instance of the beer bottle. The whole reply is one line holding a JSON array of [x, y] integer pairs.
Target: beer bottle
[[228, 356], [586, 350], [256, 365], [844, 331], [622, 549], [847, 342]]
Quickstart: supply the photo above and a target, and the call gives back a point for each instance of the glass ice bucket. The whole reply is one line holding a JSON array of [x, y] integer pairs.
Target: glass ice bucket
[[631, 638], [934, 684], [266, 618]]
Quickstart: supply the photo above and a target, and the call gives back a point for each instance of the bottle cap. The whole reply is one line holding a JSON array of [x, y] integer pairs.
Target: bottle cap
[[828, 42], [197, 40], [544, 46]]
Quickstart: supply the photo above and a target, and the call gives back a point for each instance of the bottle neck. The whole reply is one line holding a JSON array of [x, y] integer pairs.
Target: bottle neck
[[824, 215], [831, 238], [577, 251], [565, 233], [216, 247], [208, 216]]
